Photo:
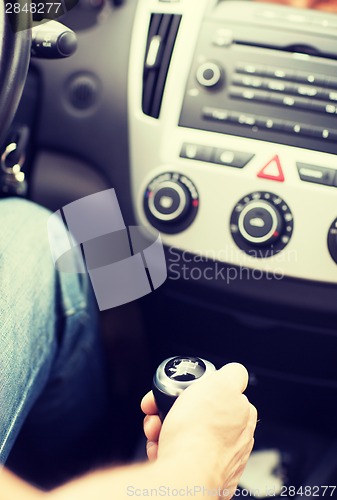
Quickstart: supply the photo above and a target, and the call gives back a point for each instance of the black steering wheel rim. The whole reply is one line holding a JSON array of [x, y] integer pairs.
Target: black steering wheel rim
[[15, 46]]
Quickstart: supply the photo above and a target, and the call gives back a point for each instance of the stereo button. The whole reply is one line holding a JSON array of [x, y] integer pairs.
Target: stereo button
[[310, 78], [215, 114], [270, 123], [323, 107], [276, 85], [247, 81], [331, 82], [250, 69], [280, 73], [231, 158], [315, 174], [223, 38], [307, 91], [247, 120], [209, 74], [297, 128], [248, 94], [322, 133], [196, 152], [330, 95]]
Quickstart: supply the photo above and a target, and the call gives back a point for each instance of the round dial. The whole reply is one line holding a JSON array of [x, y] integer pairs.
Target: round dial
[[332, 240], [171, 202], [261, 224], [209, 74]]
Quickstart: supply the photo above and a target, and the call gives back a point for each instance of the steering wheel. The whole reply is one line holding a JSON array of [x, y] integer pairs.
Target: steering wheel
[[15, 45]]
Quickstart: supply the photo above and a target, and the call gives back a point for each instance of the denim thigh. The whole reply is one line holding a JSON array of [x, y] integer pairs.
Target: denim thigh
[[53, 391]]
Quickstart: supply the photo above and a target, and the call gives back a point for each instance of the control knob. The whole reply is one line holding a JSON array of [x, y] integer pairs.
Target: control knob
[[332, 240], [209, 74], [171, 202], [261, 224]]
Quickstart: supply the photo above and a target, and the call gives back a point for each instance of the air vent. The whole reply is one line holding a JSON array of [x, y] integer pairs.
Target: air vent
[[160, 43]]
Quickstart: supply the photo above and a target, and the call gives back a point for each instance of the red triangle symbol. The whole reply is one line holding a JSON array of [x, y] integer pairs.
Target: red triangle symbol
[[273, 170]]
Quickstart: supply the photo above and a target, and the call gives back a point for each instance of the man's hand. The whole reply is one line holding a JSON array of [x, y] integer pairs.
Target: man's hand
[[211, 425], [205, 441]]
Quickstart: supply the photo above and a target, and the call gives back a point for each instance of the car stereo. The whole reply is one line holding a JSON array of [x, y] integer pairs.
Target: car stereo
[[233, 133], [267, 73]]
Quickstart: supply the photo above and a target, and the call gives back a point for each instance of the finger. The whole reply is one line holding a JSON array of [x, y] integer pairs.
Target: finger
[[148, 404], [236, 375], [152, 427], [152, 450]]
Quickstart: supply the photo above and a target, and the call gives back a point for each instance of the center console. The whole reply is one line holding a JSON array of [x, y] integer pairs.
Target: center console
[[233, 144], [233, 127]]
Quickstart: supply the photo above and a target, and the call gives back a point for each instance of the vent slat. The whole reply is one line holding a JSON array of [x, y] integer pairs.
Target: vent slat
[[163, 27]]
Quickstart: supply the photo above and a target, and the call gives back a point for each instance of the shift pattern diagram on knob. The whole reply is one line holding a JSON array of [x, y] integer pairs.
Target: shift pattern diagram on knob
[[173, 376]]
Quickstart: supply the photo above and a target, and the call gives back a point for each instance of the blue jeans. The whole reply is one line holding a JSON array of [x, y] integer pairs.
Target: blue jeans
[[53, 391]]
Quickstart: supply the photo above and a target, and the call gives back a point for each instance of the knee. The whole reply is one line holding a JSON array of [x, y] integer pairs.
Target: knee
[[24, 237], [25, 261]]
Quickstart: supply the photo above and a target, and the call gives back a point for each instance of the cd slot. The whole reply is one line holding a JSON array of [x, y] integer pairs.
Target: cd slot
[[295, 48], [294, 42]]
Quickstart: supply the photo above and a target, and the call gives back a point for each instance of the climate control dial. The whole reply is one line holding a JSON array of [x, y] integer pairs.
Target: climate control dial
[[261, 224], [171, 202], [332, 240]]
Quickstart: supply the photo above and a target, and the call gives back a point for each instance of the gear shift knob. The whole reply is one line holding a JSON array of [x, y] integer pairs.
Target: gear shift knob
[[173, 376]]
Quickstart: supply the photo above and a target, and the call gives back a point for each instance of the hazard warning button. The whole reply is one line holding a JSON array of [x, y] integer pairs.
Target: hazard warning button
[[272, 170]]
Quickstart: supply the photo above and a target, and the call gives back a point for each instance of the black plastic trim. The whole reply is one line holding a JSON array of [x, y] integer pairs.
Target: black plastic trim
[[165, 26]]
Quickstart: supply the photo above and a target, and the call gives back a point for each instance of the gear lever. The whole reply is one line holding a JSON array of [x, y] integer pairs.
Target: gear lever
[[173, 376]]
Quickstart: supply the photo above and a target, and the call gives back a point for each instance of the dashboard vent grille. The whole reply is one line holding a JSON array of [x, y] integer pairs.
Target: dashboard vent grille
[[160, 44]]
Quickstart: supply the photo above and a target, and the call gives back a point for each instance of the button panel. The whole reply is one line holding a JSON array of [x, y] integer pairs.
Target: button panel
[[284, 74], [257, 122], [273, 170], [219, 156], [285, 100], [239, 125], [267, 85], [263, 90]]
